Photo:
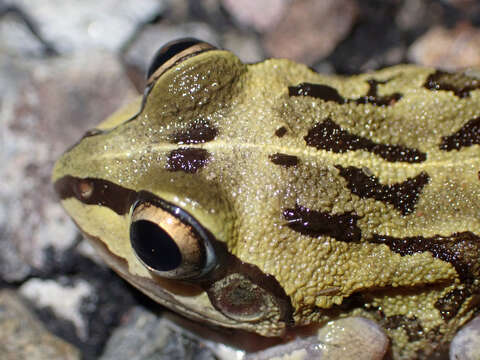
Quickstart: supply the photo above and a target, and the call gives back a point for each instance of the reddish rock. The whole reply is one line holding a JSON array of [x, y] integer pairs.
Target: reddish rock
[[448, 49], [311, 29], [261, 15]]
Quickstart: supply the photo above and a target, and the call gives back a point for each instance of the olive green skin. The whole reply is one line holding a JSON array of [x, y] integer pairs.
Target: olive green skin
[[260, 169]]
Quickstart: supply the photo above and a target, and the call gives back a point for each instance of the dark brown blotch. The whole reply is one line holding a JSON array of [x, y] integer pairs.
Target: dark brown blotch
[[93, 191], [467, 135], [373, 98], [328, 93], [200, 131], [459, 83], [342, 227], [319, 91], [451, 303], [188, 160], [284, 159], [281, 131], [403, 196], [327, 135], [462, 250]]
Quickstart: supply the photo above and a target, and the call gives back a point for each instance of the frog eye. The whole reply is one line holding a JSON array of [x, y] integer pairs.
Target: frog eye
[[172, 53], [169, 242]]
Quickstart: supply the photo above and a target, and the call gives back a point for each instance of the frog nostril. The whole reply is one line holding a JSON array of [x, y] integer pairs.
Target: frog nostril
[[154, 246]]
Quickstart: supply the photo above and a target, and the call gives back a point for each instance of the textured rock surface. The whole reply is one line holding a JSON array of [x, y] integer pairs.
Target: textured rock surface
[[145, 336], [24, 337]]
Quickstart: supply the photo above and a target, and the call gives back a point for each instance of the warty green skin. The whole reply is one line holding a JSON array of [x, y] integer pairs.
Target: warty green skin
[[260, 176]]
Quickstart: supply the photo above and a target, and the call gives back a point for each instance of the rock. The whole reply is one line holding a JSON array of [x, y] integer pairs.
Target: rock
[[466, 343], [86, 24], [448, 49], [47, 104], [320, 25], [24, 337], [65, 301], [145, 336], [19, 35], [247, 48], [261, 15]]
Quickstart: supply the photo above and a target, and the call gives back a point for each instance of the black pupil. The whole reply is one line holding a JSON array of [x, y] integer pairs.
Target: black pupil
[[168, 51], [154, 246]]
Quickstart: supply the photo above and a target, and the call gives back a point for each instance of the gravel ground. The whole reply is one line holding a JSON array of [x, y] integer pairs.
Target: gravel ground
[[65, 65]]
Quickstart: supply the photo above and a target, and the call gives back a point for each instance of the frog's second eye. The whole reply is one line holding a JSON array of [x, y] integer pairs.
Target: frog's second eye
[[172, 53], [169, 242]]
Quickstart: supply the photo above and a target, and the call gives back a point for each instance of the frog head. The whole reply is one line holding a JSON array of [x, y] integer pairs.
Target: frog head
[[153, 188]]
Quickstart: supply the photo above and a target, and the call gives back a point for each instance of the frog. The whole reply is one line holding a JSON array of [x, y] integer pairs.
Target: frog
[[267, 197]]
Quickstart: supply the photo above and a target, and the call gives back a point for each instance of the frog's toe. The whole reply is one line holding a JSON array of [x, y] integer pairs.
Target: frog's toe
[[466, 344], [353, 338]]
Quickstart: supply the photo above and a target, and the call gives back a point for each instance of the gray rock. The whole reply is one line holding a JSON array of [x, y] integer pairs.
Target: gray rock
[[81, 25], [47, 104], [24, 337], [147, 337], [247, 48], [466, 343], [64, 301], [16, 39]]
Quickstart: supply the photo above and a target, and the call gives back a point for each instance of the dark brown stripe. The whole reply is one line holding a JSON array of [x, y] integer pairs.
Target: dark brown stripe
[[92, 191], [327, 135], [451, 303], [198, 132], [462, 250], [460, 83], [281, 131], [328, 93], [467, 135], [342, 227], [104, 193], [403, 196], [284, 159], [188, 160], [319, 91]]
